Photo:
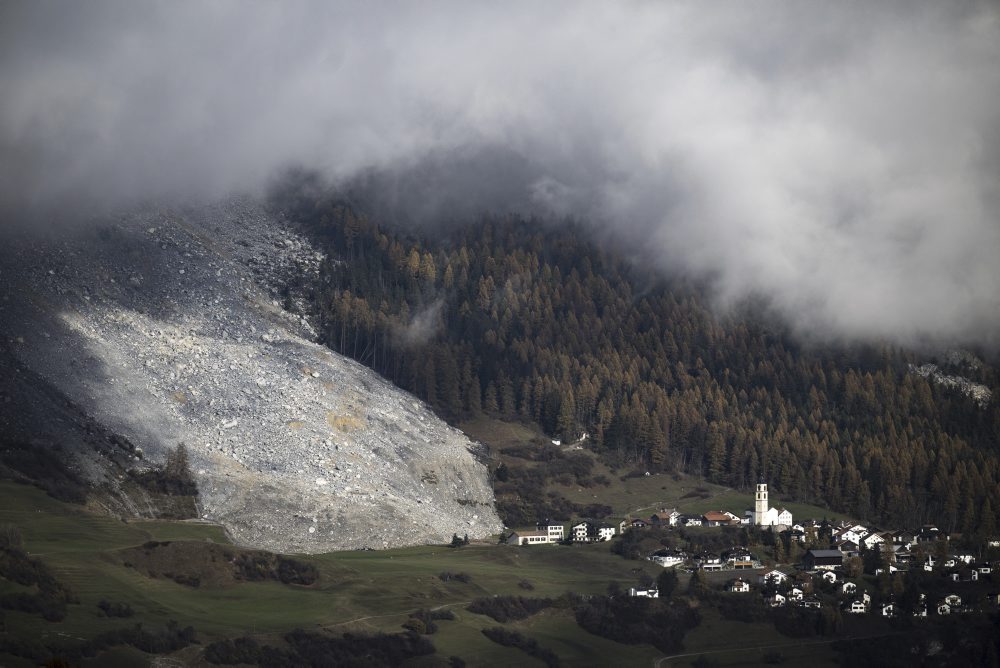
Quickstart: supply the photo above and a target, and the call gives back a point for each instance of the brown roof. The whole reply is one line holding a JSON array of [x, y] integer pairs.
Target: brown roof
[[716, 516]]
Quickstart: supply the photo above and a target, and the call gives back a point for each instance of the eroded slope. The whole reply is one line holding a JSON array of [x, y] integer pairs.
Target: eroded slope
[[170, 326]]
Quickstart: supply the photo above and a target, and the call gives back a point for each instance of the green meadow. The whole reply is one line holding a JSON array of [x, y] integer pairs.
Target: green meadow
[[356, 591], [371, 591]]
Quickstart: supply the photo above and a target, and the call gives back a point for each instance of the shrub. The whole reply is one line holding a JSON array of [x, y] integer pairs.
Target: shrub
[[638, 620], [530, 646], [109, 609], [507, 608], [10, 536], [305, 648]]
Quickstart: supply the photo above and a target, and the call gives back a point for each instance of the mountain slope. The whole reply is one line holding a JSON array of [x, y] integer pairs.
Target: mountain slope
[[546, 322], [168, 327]]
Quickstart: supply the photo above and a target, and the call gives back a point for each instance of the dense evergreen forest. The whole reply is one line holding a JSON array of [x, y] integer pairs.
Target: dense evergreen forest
[[537, 322]]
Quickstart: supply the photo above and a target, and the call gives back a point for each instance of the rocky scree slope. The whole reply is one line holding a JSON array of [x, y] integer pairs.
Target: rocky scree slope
[[169, 326]]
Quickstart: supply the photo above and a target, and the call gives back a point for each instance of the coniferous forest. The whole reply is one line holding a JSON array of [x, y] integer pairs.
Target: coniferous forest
[[535, 321]]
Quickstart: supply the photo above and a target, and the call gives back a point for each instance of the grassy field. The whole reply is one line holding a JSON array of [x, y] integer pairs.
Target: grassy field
[[367, 591], [638, 496], [733, 643], [357, 591]]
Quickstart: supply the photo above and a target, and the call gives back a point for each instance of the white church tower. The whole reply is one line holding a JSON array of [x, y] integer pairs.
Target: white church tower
[[763, 516], [760, 507]]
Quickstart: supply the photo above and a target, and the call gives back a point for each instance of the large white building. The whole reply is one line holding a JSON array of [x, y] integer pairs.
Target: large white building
[[765, 516]]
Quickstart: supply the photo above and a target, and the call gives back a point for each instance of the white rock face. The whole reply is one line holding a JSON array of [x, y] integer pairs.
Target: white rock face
[[178, 326]]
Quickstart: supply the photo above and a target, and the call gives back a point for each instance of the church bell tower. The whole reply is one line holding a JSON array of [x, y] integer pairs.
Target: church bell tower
[[760, 506]]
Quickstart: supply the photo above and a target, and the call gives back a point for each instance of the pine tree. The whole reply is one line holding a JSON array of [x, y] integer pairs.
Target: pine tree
[[716, 453], [490, 401], [666, 583], [987, 520], [473, 393], [779, 550], [657, 447], [566, 422]]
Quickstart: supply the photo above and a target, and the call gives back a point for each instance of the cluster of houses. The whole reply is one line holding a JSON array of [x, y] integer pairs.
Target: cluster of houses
[[549, 533], [900, 551], [827, 568], [781, 589], [591, 531]]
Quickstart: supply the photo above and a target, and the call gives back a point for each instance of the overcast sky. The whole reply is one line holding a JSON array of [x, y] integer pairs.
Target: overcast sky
[[842, 159]]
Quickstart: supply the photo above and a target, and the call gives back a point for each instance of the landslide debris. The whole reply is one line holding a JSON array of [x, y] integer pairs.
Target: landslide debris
[[165, 326]]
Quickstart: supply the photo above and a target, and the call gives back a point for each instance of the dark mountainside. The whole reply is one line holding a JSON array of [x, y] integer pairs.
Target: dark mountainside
[[537, 322]]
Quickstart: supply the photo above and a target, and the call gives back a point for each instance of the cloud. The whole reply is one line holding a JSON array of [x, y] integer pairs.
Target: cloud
[[423, 326], [842, 160]]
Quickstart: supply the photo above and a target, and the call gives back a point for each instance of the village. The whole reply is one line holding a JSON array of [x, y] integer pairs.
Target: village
[[853, 568]]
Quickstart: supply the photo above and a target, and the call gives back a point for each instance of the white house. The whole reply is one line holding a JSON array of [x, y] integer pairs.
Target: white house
[[529, 538], [581, 531], [665, 518], [850, 534], [643, 593], [811, 602], [556, 532], [954, 600], [709, 562], [773, 577], [848, 588], [857, 607], [870, 540], [888, 609], [739, 585], [668, 559], [589, 532], [738, 558], [795, 594], [776, 600], [829, 576]]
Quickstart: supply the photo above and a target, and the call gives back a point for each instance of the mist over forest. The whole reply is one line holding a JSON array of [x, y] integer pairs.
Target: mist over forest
[[840, 163]]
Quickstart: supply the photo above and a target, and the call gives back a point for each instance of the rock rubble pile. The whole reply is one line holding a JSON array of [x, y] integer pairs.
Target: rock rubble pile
[[193, 326]]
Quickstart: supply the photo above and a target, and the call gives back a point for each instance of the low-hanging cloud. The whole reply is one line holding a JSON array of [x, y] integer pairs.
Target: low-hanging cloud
[[840, 159]]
